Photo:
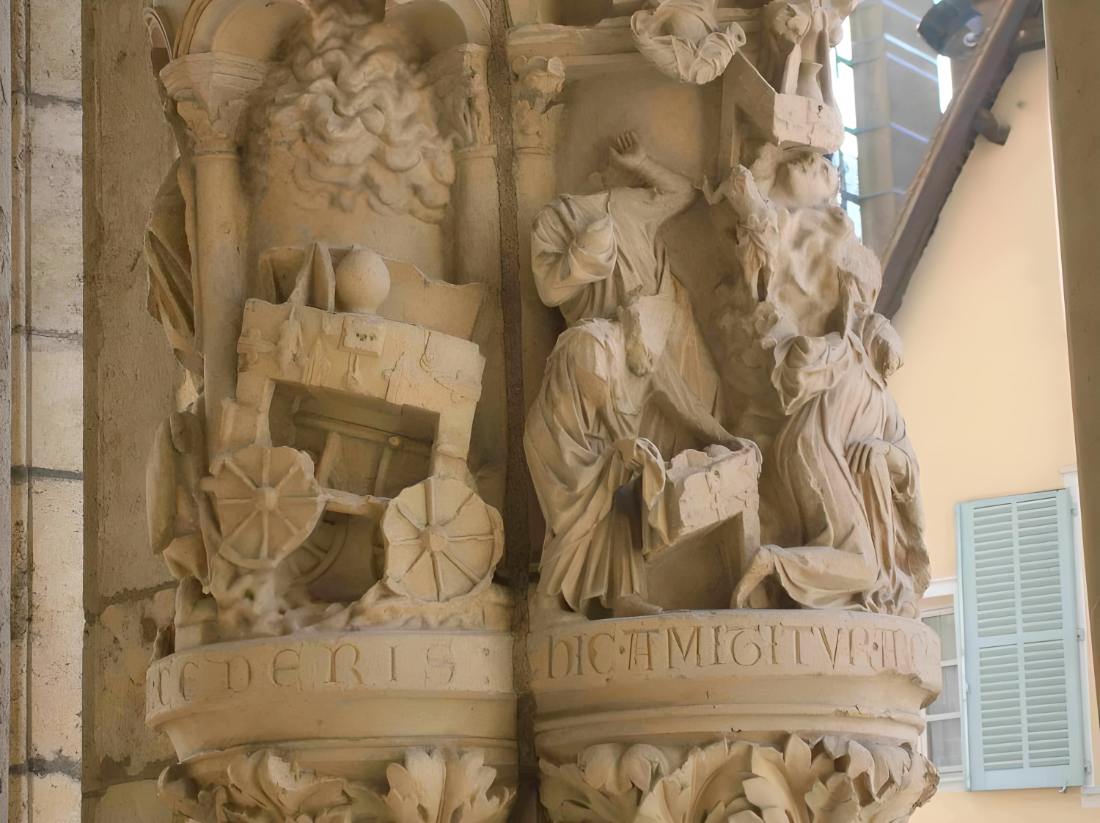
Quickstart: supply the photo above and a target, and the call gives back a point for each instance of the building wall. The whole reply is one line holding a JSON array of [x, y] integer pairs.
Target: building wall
[[130, 385], [985, 387], [47, 474]]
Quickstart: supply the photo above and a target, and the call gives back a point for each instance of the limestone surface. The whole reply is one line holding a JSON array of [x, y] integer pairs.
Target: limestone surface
[[683, 365]]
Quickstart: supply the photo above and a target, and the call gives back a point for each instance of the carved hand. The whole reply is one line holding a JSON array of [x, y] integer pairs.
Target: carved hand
[[631, 453], [861, 455], [743, 194], [627, 151]]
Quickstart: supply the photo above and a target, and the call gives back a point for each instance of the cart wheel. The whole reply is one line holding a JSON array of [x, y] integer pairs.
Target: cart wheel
[[318, 551], [442, 540], [268, 502]]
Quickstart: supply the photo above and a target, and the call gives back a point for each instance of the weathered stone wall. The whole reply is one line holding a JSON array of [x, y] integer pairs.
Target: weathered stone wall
[[5, 388], [130, 385], [47, 477]]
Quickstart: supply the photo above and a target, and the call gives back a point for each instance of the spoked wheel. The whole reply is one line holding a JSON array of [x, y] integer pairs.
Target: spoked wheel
[[318, 552], [442, 541], [268, 503]]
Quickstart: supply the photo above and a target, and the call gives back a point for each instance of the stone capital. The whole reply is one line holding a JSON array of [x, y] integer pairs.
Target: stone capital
[[270, 784], [459, 80], [793, 778], [537, 85], [211, 93]]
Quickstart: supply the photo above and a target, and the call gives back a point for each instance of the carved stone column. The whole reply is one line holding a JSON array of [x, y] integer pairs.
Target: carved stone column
[[339, 650], [459, 78], [536, 112], [211, 93], [724, 625], [370, 724]]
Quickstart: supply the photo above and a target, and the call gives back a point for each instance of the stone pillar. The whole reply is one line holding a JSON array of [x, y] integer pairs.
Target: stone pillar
[[1075, 121], [460, 83], [5, 395], [339, 648], [210, 92], [689, 658], [536, 112]]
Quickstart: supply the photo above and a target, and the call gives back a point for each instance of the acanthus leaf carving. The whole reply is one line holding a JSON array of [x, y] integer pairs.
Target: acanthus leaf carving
[[440, 785], [826, 780], [605, 785], [267, 787]]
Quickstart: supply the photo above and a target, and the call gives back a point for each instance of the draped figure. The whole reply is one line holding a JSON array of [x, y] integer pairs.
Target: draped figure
[[839, 490], [629, 381], [843, 481]]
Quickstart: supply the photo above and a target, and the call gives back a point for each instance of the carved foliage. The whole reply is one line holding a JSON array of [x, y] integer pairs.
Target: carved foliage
[[265, 787], [437, 785], [829, 780], [536, 108], [605, 785]]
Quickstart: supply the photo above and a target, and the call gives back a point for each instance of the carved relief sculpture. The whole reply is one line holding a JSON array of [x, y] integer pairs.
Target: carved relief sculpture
[[727, 331], [730, 556], [314, 493], [629, 381]]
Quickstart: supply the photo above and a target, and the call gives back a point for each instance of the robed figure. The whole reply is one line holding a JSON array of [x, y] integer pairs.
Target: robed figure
[[629, 383], [839, 492], [843, 484]]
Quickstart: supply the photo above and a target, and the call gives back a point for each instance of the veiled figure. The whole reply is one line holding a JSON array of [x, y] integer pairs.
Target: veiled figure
[[843, 482], [628, 382]]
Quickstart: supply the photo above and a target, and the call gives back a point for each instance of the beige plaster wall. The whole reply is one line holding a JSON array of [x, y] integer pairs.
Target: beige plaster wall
[[985, 387]]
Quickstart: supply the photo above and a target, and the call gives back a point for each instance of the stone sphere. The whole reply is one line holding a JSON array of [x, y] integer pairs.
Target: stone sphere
[[685, 25], [362, 281]]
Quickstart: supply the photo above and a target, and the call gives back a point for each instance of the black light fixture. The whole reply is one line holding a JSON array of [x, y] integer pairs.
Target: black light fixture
[[952, 28]]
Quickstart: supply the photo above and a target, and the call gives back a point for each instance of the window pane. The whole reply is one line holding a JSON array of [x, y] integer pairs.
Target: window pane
[[949, 698], [945, 743], [944, 624]]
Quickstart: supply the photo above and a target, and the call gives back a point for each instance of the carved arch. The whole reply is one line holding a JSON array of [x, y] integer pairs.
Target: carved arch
[[246, 28], [442, 24]]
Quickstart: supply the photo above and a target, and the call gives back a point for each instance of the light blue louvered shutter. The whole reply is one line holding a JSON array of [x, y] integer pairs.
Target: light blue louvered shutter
[[1019, 607]]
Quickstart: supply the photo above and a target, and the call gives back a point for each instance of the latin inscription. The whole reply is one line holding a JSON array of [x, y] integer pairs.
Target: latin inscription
[[364, 662], [686, 646]]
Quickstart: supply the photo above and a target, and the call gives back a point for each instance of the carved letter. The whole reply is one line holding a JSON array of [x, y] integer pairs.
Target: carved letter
[[343, 674], [284, 668], [830, 650], [641, 654], [683, 651], [752, 644], [593, 653]]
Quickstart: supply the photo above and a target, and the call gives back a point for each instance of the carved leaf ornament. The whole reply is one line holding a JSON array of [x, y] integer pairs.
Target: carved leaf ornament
[[831, 780], [264, 787], [441, 787]]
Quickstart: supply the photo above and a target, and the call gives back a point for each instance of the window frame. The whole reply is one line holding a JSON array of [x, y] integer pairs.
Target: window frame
[[962, 607], [940, 599]]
